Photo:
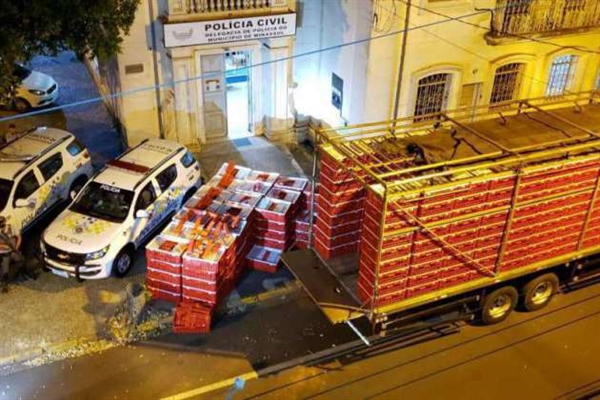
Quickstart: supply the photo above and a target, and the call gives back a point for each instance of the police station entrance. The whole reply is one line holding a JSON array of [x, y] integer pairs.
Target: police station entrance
[[238, 94], [227, 95]]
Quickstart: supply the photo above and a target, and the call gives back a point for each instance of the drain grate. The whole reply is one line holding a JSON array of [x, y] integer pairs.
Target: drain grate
[[241, 142]]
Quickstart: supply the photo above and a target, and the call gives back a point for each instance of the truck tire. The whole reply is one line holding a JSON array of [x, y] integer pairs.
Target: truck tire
[[538, 292], [498, 305], [123, 262]]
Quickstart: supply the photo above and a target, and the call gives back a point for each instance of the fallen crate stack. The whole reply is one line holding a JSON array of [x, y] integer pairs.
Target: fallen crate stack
[[240, 217]]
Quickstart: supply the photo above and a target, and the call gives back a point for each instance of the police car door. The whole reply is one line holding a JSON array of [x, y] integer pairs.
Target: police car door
[[54, 182], [146, 202], [25, 200], [171, 192]]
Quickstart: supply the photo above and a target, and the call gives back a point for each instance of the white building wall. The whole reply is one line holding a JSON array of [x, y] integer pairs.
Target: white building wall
[[370, 70], [139, 116]]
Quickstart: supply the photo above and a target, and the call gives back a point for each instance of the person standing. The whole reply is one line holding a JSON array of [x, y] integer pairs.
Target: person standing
[[11, 134], [10, 256]]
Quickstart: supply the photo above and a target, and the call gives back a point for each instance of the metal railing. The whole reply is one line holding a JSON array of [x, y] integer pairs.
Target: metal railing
[[518, 17], [215, 8]]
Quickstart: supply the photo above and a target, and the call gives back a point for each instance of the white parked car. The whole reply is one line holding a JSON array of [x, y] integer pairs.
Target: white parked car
[[39, 170], [119, 210], [35, 89]]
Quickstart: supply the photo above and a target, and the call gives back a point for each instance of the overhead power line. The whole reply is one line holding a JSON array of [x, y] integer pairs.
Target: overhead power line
[[472, 52], [213, 74], [524, 37]]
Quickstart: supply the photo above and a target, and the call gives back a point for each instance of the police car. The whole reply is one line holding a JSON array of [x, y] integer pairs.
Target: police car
[[119, 209], [38, 170]]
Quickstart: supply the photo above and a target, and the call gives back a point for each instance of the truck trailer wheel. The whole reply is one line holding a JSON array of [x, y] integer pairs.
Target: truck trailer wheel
[[539, 291], [498, 304]]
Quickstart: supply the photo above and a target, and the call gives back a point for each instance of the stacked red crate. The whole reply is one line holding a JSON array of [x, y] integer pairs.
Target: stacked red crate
[[414, 262], [302, 228], [340, 209], [164, 262], [274, 224]]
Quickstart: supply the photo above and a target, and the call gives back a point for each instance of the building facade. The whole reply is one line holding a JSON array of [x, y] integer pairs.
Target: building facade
[[200, 71], [458, 54]]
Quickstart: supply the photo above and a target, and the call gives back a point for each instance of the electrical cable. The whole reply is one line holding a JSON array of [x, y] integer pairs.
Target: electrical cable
[[215, 74], [567, 91], [578, 48]]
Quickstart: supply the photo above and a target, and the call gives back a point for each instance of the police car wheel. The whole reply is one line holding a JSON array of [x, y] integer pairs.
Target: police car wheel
[[123, 262]]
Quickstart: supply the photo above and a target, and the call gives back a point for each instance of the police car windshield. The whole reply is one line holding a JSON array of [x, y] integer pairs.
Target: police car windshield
[[104, 202], [5, 187]]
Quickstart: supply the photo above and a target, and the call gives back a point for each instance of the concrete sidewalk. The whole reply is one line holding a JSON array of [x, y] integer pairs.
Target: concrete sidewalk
[[54, 314]]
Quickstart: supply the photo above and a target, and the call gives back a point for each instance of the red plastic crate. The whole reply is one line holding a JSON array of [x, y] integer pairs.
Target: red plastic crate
[[339, 207], [341, 194], [163, 276], [292, 183], [337, 240], [238, 171], [246, 199], [288, 195], [274, 210], [167, 249], [174, 268], [253, 187], [335, 185], [202, 284], [165, 286], [266, 177], [273, 234], [339, 219], [281, 245], [205, 296], [164, 294], [335, 230], [331, 252], [264, 259], [263, 223], [192, 317], [428, 287]]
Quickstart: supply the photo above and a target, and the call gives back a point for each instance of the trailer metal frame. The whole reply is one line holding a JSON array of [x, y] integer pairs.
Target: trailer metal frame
[[389, 183]]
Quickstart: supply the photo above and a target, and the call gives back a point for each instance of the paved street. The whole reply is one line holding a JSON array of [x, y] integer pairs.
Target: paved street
[[546, 354], [91, 123]]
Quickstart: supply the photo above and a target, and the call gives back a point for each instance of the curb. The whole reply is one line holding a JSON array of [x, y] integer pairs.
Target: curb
[[227, 308]]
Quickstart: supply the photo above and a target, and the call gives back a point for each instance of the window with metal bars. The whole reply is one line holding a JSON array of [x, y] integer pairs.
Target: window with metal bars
[[561, 74], [507, 82], [432, 96]]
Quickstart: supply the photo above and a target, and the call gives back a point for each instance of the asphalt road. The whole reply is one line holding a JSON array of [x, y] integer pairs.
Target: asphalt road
[[554, 352]]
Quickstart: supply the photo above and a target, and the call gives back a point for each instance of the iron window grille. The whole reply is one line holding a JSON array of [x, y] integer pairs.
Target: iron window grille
[[432, 96], [561, 74], [507, 82]]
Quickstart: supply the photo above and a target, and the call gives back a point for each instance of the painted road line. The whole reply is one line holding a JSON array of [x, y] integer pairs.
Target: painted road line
[[212, 387]]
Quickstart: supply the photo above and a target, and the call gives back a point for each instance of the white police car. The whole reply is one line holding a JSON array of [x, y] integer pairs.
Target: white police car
[[38, 170], [119, 209]]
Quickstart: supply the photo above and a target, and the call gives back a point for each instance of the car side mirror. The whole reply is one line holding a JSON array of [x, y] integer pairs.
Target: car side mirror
[[142, 214], [73, 194], [22, 203]]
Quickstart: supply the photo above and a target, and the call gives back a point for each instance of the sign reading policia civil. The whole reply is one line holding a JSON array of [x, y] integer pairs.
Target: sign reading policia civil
[[229, 30]]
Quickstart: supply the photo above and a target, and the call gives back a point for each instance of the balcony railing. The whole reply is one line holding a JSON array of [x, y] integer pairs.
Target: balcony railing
[[545, 17], [182, 10]]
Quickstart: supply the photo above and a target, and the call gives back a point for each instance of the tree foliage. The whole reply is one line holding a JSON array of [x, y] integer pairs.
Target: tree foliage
[[45, 27]]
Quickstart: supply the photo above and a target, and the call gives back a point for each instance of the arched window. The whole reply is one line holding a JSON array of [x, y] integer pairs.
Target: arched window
[[432, 95], [561, 75], [507, 82]]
